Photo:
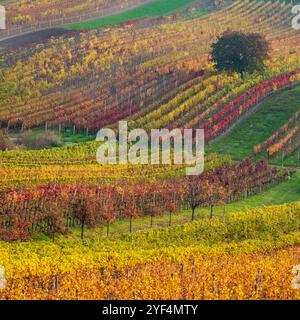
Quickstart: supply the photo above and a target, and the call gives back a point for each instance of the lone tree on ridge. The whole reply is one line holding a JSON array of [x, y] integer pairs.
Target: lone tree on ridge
[[240, 52]]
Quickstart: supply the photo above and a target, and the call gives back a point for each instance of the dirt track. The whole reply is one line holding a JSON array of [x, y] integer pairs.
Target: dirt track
[[31, 38]]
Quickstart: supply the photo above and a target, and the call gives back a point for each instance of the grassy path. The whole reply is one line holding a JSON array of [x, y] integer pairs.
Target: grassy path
[[288, 191], [154, 9], [259, 125]]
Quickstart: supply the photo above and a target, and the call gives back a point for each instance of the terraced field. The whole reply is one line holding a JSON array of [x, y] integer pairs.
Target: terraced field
[[266, 130], [25, 16], [190, 262], [175, 63]]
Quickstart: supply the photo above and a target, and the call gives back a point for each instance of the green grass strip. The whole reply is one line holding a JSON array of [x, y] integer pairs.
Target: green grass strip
[[154, 9]]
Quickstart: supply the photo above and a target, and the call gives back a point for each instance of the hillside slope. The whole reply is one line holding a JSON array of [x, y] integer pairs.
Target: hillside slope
[[98, 78], [257, 127]]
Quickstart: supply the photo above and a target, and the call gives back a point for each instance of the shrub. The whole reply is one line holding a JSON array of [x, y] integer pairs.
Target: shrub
[[5, 142], [46, 140]]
